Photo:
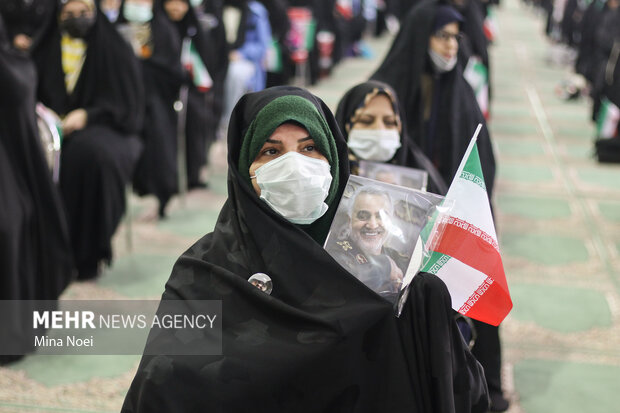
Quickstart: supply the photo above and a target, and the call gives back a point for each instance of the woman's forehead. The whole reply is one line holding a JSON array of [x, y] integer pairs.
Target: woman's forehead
[[77, 6]]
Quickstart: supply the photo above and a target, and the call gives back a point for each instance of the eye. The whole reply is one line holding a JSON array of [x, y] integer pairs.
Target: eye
[[390, 122], [309, 148], [363, 215], [270, 151], [365, 121]]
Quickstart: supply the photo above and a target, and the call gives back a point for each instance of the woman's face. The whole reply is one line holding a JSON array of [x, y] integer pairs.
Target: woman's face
[[176, 9], [75, 9], [377, 114], [287, 137], [445, 41], [148, 3], [110, 4]]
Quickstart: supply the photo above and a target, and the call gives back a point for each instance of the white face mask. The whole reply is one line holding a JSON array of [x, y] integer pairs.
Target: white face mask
[[138, 13], [374, 144], [440, 63], [295, 186]]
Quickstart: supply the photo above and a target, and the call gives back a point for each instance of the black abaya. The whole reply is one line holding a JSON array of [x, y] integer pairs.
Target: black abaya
[[201, 120], [454, 112], [445, 135], [35, 251], [322, 341], [30, 18], [157, 170], [96, 161]]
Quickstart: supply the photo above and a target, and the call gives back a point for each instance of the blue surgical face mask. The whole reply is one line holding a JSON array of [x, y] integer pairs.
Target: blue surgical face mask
[[138, 12], [112, 14]]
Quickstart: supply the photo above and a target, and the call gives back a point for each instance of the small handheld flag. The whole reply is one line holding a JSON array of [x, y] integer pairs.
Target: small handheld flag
[[192, 62], [466, 254]]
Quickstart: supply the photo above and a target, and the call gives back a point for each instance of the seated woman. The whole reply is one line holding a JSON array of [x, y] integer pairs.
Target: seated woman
[[89, 76], [321, 341], [26, 21], [202, 69], [35, 252], [369, 117], [442, 111], [156, 44]]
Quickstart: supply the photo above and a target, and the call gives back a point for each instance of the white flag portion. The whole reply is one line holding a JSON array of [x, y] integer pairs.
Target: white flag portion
[[466, 255]]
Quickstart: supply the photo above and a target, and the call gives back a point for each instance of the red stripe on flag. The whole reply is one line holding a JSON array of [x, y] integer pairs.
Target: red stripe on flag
[[494, 304], [492, 307]]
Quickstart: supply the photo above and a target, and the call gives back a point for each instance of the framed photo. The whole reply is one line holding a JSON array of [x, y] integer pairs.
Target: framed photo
[[375, 234], [394, 174]]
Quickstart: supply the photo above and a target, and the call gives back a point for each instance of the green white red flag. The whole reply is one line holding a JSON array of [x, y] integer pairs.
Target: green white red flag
[[466, 254], [477, 76], [607, 120], [192, 62]]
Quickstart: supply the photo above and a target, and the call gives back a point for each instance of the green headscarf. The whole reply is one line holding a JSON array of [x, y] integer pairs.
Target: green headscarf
[[285, 109]]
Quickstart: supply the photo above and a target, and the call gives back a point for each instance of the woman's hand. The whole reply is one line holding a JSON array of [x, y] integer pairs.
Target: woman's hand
[[22, 42], [396, 275], [75, 120]]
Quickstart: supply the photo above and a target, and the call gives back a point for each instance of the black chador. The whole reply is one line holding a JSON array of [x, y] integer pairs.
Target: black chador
[[409, 154], [35, 252], [441, 108], [98, 160], [156, 43], [28, 18], [475, 42], [201, 120], [322, 341], [210, 16]]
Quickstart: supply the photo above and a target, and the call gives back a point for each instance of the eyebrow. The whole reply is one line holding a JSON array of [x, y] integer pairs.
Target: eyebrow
[[307, 138]]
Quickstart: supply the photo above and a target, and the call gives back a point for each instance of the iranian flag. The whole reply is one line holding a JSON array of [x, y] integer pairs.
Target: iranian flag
[[464, 249], [607, 119], [191, 61], [489, 25], [477, 76]]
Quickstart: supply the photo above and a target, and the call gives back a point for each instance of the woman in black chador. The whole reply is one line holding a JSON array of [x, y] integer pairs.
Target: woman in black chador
[[441, 108], [442, 114], [157, 45], [203, 68], [35, 252], [310, 337], [26, 20], [91, 79], [361, 109]]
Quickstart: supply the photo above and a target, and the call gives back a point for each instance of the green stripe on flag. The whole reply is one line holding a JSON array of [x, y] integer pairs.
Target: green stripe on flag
[[472, 170], [435, 262], [200, 72], [603, 113]]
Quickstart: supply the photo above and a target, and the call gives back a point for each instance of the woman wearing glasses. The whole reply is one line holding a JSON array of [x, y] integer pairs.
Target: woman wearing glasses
[[441, 107], [442, 112]]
